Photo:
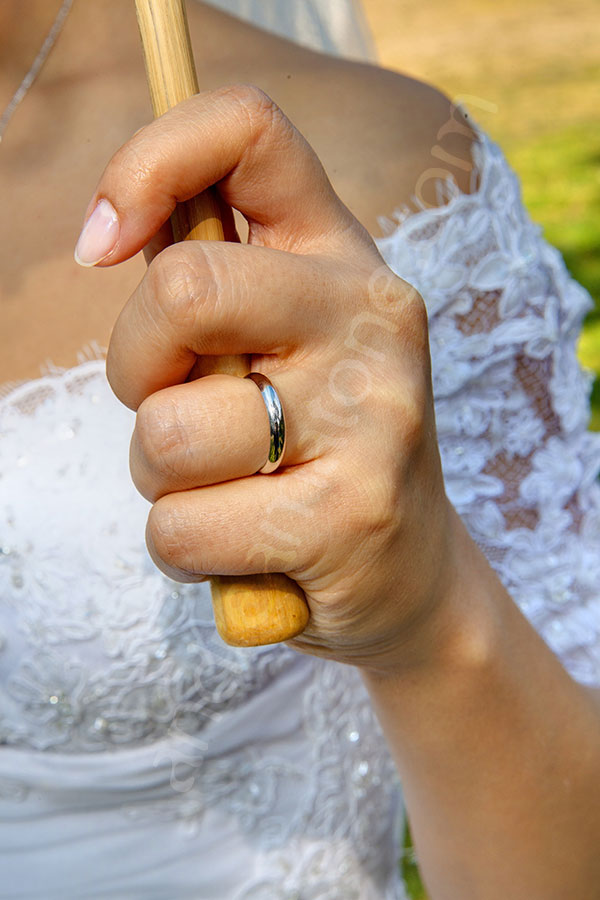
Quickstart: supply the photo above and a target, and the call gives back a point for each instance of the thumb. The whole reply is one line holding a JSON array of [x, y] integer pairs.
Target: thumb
[[236, 138]]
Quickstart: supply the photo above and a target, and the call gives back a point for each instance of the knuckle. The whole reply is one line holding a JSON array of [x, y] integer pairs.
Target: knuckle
[[137, 167], [401, 302], [402, 410], [416, 323], [381, 503], [114, 376], [175, 284], [385, 289], [385, 506], [367, 509], [169, 533], [251, 99], [160, 434], [372, 493], [411, 421], [260, 112]]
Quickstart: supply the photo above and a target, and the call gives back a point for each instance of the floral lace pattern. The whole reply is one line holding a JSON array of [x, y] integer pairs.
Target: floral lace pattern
[[101, 653], [102, 657], [108, 651], [512, 402]]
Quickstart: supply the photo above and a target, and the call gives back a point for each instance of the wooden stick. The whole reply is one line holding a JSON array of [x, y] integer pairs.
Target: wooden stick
[[260, 609]]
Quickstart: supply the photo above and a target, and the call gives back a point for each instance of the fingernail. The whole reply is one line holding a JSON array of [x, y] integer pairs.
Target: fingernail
[[99, 235]]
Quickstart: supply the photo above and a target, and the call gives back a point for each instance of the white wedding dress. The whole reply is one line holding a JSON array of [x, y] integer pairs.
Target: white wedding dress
[[142, 758]]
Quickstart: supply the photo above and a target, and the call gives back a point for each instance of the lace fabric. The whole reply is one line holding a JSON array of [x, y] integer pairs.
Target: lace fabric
[[512, 402], [118, 699], [131, 733]]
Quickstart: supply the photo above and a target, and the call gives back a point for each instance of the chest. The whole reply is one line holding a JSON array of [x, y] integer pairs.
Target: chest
[[49, 307]]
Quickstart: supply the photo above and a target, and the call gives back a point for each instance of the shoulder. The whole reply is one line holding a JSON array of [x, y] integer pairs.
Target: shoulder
[[384, 138]]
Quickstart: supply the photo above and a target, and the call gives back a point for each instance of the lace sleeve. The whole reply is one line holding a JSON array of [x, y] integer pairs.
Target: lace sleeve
[[512, 402]]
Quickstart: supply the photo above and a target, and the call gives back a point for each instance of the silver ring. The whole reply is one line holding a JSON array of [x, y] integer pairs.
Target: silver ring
[[276, 421]]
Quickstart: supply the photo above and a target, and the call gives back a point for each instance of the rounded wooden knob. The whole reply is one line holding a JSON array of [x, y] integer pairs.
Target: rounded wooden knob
[[259, 609]]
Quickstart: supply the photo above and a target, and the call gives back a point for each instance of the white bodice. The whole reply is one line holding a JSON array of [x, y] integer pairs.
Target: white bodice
[[247, 773], [140, 756]]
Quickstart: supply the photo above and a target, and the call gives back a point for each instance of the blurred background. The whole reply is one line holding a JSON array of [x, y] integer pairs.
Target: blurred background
[[530, 73]]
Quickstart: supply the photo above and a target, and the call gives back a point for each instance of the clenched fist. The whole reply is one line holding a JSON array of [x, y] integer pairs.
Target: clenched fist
[[356, 514]]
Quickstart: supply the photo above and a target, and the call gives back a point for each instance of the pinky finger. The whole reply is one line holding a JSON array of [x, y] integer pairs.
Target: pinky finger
[[249, 526]]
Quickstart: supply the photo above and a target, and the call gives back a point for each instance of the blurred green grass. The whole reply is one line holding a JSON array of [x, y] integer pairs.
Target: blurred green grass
[[410, 869]]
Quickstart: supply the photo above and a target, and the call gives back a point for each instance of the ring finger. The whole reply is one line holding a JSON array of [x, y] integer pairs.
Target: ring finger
[[212, 430]]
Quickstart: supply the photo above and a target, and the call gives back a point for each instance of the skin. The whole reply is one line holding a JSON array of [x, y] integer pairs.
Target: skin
[[497, 747], [89, 99]]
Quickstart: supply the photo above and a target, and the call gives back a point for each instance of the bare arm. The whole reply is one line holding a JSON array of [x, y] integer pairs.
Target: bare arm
[[499, 754]]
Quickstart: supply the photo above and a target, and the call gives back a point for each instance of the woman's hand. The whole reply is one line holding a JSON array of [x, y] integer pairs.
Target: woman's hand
[[483, 722], [357, 514]]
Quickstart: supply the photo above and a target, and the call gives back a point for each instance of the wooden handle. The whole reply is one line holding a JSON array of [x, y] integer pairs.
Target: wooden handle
[[260, 609]]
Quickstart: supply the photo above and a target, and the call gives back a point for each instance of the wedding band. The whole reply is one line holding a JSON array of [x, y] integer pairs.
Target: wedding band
[[276, 421]]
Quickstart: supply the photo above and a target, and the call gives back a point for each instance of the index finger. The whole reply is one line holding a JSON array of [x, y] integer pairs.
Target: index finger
[[204, 298], [238, 139]]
